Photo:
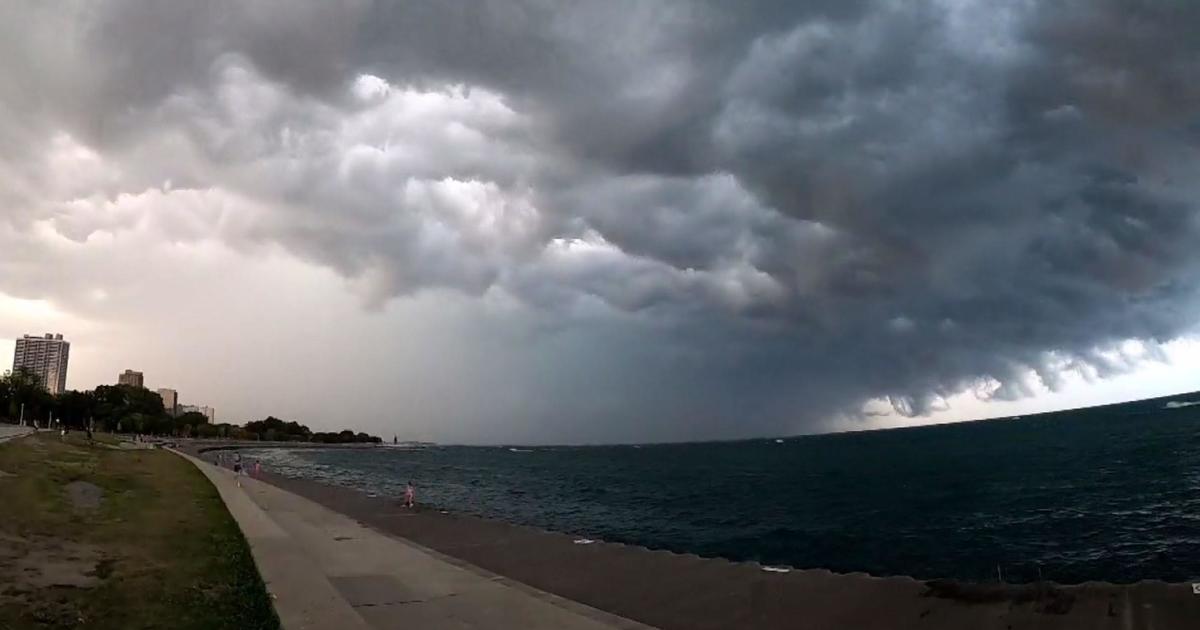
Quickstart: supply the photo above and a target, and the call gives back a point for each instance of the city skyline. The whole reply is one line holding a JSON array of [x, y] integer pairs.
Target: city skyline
[[612, 222], [47, 355]]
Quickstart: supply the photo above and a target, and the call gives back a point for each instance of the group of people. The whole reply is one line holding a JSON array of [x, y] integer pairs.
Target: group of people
[[239, 467], [62, 433]]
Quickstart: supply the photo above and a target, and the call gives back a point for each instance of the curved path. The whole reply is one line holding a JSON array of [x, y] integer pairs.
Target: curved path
[[326, 570]]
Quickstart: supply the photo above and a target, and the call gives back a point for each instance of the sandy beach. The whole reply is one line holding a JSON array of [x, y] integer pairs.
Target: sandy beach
[[673, 591]]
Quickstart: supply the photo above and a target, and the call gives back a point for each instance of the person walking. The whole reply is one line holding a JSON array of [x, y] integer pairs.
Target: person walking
[[410, 496]]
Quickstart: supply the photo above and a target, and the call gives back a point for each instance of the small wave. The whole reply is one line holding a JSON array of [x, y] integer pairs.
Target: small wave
[[1179, 404], [895, 516]]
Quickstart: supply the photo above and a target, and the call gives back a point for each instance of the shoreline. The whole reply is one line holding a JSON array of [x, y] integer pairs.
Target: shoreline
[[683, 591], [940, 581]]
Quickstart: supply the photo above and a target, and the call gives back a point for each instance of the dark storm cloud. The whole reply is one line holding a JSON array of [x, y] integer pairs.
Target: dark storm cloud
[[815, 203]]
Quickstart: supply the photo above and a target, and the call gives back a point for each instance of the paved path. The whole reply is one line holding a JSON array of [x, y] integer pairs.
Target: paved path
[[10, 431], [326, 570]]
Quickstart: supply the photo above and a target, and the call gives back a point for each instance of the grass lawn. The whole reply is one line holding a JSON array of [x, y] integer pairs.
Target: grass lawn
[[93, 537], [107, 438]]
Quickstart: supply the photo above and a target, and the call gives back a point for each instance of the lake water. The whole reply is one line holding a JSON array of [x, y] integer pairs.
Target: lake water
[[1110, 493]]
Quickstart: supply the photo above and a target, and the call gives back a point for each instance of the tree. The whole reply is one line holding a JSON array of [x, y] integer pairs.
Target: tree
[[207, 431], [272, 428], [133, 409], [193, 418], [23, 387], [75, 409], [5, 395]]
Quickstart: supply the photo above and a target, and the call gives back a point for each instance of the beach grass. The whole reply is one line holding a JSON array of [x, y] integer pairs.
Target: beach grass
[[102, 538]]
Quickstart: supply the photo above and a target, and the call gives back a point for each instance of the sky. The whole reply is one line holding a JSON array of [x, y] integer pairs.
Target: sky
[[619, 221]]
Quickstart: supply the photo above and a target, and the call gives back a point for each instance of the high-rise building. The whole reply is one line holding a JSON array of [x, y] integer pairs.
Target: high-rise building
[[129, 377], [170, 400], [45, 357]]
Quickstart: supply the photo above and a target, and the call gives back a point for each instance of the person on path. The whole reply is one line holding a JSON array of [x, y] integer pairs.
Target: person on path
[[237, 468], [410, 496], [257, 468]]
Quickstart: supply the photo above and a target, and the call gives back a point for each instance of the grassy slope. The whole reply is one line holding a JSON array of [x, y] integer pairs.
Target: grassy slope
[[172, 557]]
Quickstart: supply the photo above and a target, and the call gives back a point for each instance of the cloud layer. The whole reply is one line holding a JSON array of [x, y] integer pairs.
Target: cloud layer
[[751, 217]]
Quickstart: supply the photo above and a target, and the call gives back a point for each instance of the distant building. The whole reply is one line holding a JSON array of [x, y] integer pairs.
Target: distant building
[[45, 357], [208, 412], [170, 400], [129, 377]]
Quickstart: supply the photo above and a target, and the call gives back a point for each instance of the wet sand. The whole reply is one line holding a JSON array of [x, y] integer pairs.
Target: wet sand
[[673, 591]]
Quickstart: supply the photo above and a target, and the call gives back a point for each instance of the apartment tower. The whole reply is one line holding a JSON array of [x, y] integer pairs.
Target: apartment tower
[[170, 400], [129, 377], [45, 357]]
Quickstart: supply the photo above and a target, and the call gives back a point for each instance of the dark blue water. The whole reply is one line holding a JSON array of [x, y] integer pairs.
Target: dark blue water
[[1105, 494]]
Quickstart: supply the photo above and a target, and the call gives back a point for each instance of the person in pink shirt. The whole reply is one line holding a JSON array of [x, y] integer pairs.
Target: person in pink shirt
[[410, 496]]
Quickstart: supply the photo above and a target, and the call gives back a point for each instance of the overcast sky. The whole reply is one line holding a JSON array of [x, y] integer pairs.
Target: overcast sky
[[531, 221]]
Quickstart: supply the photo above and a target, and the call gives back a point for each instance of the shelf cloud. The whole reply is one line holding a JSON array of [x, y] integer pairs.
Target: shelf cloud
[[710, 220]]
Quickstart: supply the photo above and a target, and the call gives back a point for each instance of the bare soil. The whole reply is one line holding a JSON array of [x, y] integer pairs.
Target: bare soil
[[27, 565], [84, 495]]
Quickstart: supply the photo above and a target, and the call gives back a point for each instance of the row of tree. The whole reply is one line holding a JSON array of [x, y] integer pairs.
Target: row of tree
[[132, 409], [274, 429]]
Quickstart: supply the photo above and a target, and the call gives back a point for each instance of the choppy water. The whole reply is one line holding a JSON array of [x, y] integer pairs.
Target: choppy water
[[1105, 494]]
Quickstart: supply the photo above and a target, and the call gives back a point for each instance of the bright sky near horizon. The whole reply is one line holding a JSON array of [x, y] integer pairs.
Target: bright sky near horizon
[[612, 221]]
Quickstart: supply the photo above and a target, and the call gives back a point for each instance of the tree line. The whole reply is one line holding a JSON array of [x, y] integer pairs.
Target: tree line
[[132, 409], [274, 429]]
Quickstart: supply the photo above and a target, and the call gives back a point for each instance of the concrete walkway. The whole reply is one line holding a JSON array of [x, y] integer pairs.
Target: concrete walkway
[[10, 431], [325, 570]]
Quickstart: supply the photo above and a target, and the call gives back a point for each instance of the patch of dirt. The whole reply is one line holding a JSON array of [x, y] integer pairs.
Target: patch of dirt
[[84, 495], [74, 567], [27, 566], [6, 474]]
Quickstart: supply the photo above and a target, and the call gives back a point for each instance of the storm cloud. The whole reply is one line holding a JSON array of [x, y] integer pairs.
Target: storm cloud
[[716, 219]]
